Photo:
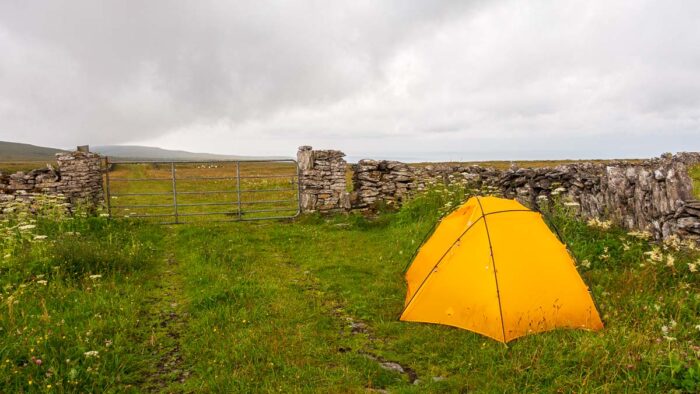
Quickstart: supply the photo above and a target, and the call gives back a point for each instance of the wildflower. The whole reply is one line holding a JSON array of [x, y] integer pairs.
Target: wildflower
[[672, 242], [586, 263], [693, 267], [558, 191], [602, 224], [670, 261], [92, 353], [643, 235], [572, 204], [40, 237], [96, 276], [42, 282], [655, 255], [26, 227]]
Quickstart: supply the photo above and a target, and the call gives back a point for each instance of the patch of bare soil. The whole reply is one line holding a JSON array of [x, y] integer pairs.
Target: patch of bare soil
[[167, 321]]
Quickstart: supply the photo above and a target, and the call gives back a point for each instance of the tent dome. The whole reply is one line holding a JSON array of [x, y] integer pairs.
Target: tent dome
[[494, 267]]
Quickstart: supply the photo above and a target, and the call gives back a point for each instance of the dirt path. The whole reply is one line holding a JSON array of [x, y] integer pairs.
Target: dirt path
[[354, 326], [167, 321]]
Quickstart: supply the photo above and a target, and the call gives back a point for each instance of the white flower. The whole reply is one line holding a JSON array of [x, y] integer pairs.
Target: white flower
[[693, 267], [40, 237], [26, 227], [97, 276], [586, 263], [603, 224], [655, 255], [92, 353], [643, 235], [670, 261], [672, 242], [42, 282]]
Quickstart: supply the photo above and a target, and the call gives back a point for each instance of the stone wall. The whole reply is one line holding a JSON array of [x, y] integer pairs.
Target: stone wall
[[381, 181], [77, 179], [322, 184], [653, 195], [81, 177]]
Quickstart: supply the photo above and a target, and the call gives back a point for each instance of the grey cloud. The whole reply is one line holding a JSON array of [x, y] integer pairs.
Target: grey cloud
[[115, 71], [488, 78]]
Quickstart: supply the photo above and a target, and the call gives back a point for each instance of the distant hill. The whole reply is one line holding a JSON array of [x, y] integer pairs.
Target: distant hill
[[14, 151], [136, 152], [18, 152]]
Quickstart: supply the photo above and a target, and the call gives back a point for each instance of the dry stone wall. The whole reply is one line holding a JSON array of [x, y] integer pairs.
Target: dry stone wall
[[381, 181], [77, 179], [322, 184], [654, 195]]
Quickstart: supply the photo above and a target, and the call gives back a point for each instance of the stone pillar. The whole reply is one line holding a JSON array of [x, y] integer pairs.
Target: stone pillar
[[322, 183], [81, 177]]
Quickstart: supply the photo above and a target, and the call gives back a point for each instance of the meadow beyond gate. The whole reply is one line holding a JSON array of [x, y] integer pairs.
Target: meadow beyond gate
[[172, 192]]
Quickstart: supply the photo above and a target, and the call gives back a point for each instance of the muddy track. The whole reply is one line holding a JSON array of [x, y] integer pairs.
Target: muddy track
[[355, 327], [167, 321]]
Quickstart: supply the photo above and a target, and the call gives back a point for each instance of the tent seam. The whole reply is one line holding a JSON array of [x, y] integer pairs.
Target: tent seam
[[493, 263]]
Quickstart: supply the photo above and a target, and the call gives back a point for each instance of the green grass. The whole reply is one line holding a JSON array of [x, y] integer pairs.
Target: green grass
[[268, 307], [55, 310]]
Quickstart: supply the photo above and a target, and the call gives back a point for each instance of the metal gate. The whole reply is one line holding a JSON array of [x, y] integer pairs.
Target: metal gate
[[172, 192]]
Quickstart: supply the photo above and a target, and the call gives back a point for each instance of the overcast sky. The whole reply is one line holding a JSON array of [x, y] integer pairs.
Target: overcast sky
[[414, 80]]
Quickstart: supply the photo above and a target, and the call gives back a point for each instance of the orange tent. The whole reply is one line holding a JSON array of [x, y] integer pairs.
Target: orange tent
[[494, 267]]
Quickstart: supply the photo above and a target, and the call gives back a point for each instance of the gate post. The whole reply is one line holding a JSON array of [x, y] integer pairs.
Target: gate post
[[81, 177], [322, 183], [172, 173]]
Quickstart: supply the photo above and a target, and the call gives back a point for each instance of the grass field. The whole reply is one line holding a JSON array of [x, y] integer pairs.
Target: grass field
[[503, 164], [14, 166], [205, 191], [311, 305]]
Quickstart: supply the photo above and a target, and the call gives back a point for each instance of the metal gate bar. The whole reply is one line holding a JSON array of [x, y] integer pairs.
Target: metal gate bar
[[192, 195]]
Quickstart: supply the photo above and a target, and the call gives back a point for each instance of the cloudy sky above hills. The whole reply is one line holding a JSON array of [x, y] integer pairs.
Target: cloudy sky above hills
[[422, 80]]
